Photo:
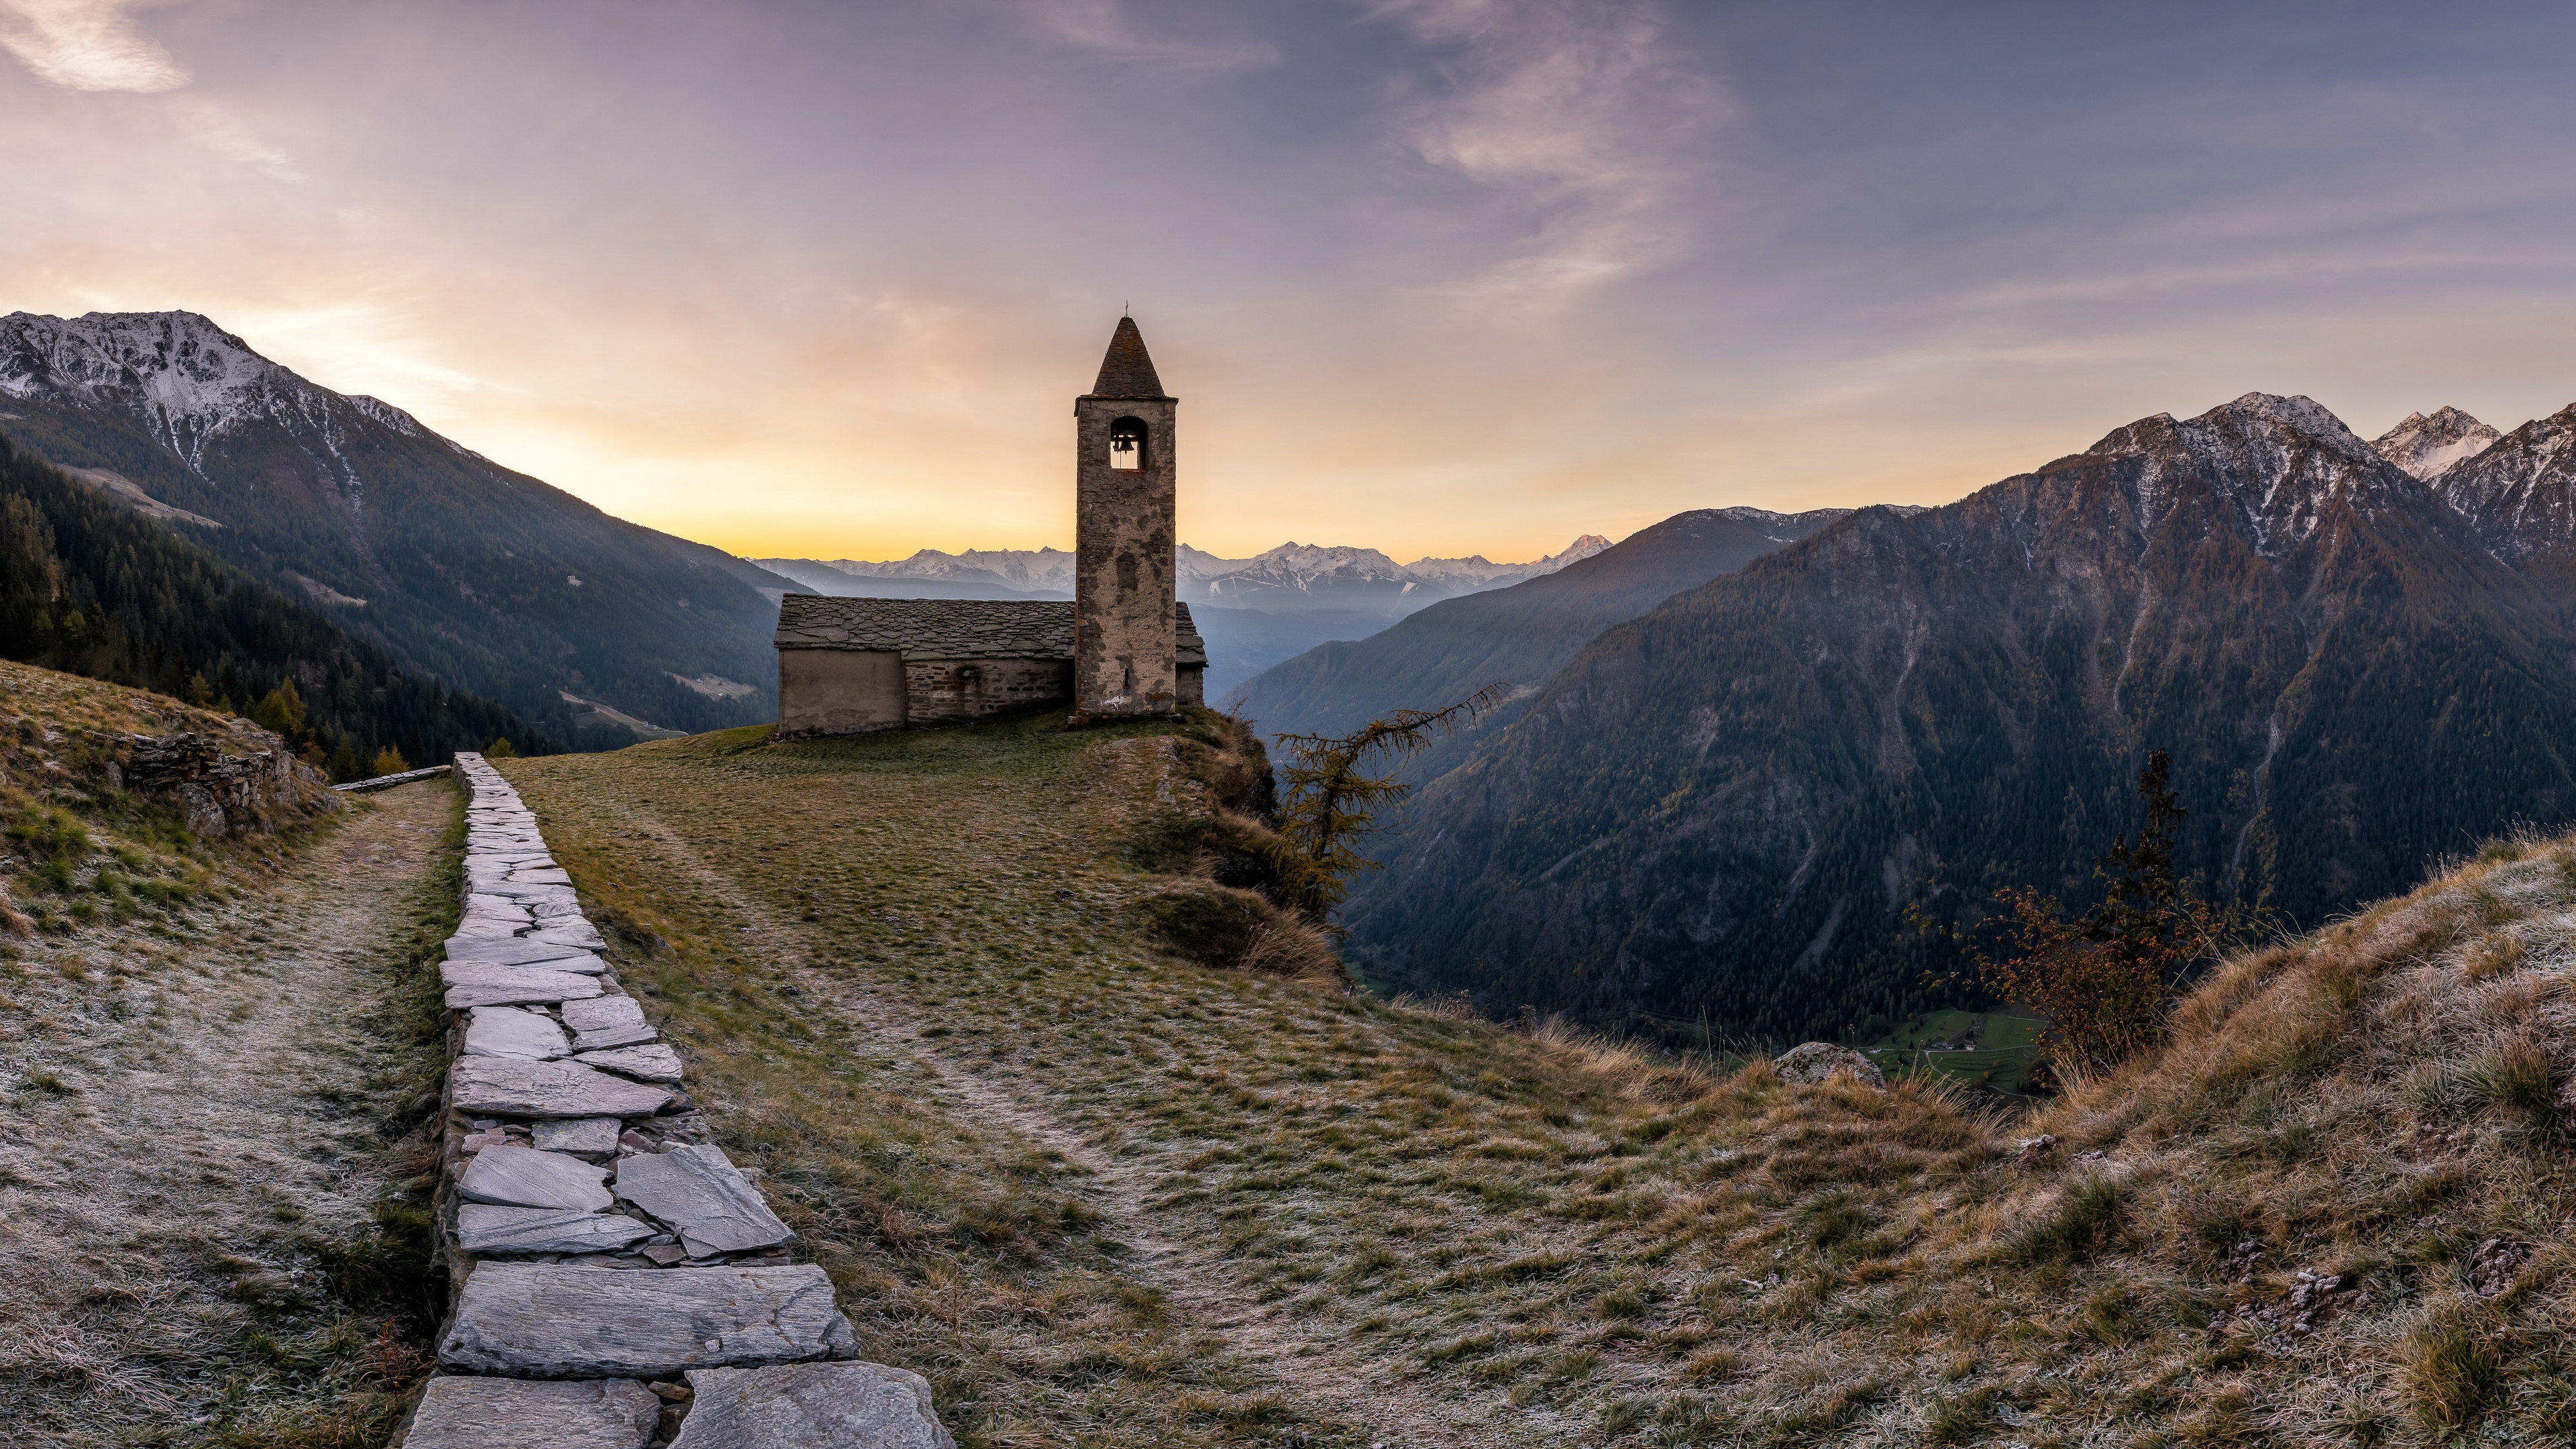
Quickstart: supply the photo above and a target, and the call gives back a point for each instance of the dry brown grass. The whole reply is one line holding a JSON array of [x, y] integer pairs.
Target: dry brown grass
[[1096, 1192], [203, 1237]]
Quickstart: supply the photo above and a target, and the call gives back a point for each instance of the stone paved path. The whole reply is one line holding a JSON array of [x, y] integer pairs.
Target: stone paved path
[[713, 1296], [216, 1108]]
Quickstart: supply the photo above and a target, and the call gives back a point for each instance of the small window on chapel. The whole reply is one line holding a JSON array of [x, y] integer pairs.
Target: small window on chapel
[[1127, 443]]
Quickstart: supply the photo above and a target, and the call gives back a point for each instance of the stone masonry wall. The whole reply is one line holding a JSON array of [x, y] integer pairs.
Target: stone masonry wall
[[961, 691], [618, 1283], [1124, 575]]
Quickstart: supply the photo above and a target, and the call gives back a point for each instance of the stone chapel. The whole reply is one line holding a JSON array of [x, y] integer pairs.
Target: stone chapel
[[1124, 646]]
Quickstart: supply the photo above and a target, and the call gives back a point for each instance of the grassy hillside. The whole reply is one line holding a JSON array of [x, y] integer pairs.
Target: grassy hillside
[[217, 1057], [1099, 1196]]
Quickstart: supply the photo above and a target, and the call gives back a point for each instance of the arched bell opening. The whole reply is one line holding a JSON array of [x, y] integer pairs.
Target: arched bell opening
[[1128, 441]]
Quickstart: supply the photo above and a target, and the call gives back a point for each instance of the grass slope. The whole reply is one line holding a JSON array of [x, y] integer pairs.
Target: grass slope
[[1101, 1197], [217, 1061]]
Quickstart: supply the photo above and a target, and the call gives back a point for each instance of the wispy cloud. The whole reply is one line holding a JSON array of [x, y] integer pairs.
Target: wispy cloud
[[1577, 111], [87, 45], [1110, 28], [219, 130]]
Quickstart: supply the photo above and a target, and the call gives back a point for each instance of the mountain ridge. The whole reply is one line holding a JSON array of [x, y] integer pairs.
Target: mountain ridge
[[1292, 577], [485, 578], [2429, 445], [1725, 804]]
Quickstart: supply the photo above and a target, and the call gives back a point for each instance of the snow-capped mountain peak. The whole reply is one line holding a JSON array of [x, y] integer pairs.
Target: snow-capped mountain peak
[[1478, 572], [1025, 569], [2430, 445], [181, 363], [189, 382], [2284, 464]]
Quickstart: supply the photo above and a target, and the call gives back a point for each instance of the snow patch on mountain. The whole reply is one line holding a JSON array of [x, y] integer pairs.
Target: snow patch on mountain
[[191, 383], [2429, 446], [2520, 490]]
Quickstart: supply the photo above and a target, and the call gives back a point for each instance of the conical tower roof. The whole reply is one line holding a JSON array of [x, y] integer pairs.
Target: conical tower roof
[[1126, 371]]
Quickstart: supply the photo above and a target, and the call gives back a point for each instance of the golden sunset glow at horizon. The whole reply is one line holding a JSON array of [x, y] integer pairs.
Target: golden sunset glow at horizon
[[1430, 276]]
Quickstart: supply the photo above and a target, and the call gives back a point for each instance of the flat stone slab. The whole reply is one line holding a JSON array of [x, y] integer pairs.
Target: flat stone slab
[[606, 1021], [507, 1031], [859, 1404], [532, 894], [508, 1087], [524, 1177], [472, 984], [580, 1136], [704, 1198], [573, 959], [517, 951], [475, 1413], [545, 1321], [485, 1228], [645, 1063], [574, 932]]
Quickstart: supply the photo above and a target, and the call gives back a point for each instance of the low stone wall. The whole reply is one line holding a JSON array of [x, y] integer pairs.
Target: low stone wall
[[617, 1282], [221, 794], [387, 782]]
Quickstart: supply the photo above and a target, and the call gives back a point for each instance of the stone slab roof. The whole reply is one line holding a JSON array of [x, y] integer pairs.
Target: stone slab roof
[[1126, 372], [951, 628]]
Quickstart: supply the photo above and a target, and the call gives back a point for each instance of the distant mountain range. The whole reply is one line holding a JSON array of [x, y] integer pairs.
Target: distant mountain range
[[1254, 611], [1720, 809], [593, 629]]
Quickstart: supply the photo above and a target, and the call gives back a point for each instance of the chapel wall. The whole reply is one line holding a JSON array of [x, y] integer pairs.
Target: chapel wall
[[961, 691], [839, 691]]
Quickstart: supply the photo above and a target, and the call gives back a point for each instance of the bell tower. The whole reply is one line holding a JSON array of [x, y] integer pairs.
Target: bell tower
[[1125, 489]]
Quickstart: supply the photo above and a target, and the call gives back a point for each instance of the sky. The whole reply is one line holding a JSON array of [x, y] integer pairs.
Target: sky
[[1431, 276]]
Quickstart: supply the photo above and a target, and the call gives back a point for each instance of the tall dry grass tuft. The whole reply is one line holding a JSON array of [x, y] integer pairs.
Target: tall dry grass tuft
[[1287, 947], [2455, 1363], [1636, 1073]]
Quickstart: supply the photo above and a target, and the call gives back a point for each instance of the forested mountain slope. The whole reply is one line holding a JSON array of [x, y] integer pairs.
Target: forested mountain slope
[[90, 587], [1725, 806], [485, 578], [1518, 635]]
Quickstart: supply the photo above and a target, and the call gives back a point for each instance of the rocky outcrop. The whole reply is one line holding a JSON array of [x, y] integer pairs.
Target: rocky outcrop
[[598, 1245], [1820, 1061], [254, 790]]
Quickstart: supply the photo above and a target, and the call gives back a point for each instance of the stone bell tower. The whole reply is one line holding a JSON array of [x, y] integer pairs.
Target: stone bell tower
[[1124, 493]]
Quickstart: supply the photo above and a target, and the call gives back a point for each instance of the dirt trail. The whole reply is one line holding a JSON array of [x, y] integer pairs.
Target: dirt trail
[[1191, 1281], [181, 1110]]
